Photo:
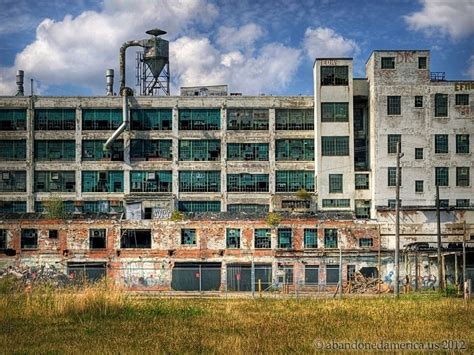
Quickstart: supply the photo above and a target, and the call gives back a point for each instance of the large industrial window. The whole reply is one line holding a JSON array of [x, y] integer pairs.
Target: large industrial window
[[55, 181], [296, 204], [200, 150], [42, 206], [233, 238], [332, 274], [335, 112], [418, 101], [29, 239], [292, 181], [336, 203], [462, 99], [3, 239], [335, 75], [97, 239], [311, 275], [362, 209], [13, 150], [463, 202], [418, 153], [135, 238], [102, 206], [419, 185], [188, 236], [441, 176], [247, 119], [151, 119], [150, 149], [394, 106], [12, 120], [388, 63], [335, 145], [102, 181], [441, 143], [295, 149], [248, 208], [294, 119], [199, 181], [94, 150], [335, 183], [101, 119], [366, 242], [462, 176], [55, 119], [199, 206], [285, 238], [12, 206], [247, 151], [441, 105], [263, 238], [13, 181], [330, 238], [310, 238], [462, 143], [247, 183], [392, 176], [200, 119], [47, 150], [393, 140], [150, 181], [361, 181]]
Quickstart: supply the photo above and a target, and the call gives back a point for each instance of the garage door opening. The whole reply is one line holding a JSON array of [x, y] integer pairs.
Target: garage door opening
[[196, 277]]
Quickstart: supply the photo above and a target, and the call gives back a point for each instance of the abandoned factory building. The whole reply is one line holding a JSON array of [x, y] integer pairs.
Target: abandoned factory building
[[217, 191]]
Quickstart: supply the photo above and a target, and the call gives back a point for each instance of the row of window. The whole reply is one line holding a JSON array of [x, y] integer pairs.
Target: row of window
[[394, 104], [441, 143], [441, 177], [389, 62]]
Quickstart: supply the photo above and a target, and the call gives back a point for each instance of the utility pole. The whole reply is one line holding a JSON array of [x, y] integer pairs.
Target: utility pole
[[397, 223], [438, 240], [340, 265]]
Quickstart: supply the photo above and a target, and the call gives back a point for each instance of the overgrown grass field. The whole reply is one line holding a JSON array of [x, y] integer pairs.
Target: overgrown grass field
[[100, 319]]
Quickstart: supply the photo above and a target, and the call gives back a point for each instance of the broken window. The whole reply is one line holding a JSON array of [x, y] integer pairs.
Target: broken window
[[97, 239], [247, 119], [351, 269], [441, 176], [330, 238], [53, 234], [393, 140], [248, 207], [62, 119], [12, 181], [150, 181], [200, 119], [263, 238], [247, 183], [200, 150], [388, 63], [294, 119], [310, 238], [55, 181], [3, 239], [285, 238], [47, 150], [336, 203], [296, 204], [394, 106], [443, 203], [334, 112], [392, 176], [418, 153], [441, 143], [335, 183], [422, 63], [188, 236], [247, 151], [232, 238], [361, 181], [366, 242], [295, 149], [101, 119], [462, 143], [311, 275], [362, 209], [135, 238], [200, 181], [462, 99], [464, 202], [13, 150], [66, 206], [102, 181], [462, 176], [150, 149], [102, 206], [12, 120], [288, 278], [94, 150], [418, 101], [419, 185], [199, 206], [294, 180], [29, 239], [151, 119], [334, 75], [335, 145], [332, 274], [12, 206], [441, 105]]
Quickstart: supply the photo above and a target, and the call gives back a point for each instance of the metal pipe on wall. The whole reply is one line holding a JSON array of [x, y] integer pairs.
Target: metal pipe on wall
[[124, 124], [109, 77], [20, 89]]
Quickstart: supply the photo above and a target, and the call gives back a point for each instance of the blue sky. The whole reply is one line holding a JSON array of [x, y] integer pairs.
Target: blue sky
[[253, 46]]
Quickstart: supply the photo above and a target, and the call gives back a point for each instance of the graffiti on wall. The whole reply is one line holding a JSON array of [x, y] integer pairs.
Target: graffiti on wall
[[405, 57], [144, 275]]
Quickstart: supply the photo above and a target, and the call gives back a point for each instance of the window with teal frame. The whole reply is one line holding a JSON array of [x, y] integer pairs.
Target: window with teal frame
[[151, 119], [295, 150], [101, 119], [247, 183], [40, 206], [150, 181], [13, 150], [55, 181], [247, 119], [294, 119], [263, 238], [93, 150], [310, 238], [285, 238], [336, 203], [12, 119], [334, 112], [57, 119], [200, 119], [335, 145], [294, 180], [248, 208], [200, 181], [101, 206], [247, 151], [233, 238], [150, 149], [61, 150], [199, 206], [200, 150], [12, 206], [102, 181], [13, 181]]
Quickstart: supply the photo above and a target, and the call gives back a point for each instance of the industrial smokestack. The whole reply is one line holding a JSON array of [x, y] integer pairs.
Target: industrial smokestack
[[109, 75], [20, 90]]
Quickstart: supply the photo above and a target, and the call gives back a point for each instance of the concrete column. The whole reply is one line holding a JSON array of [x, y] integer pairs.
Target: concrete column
[[224, 158], [175, 152], [271, 156], [78, 138], [30, 163]]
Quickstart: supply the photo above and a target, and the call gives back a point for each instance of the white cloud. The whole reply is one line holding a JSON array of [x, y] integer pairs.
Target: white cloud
[[450, 18], [239, 38], [470, 69], [324, 42]]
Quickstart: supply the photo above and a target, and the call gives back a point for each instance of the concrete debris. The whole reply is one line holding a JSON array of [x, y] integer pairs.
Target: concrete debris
[[29, 275], [361, 284]]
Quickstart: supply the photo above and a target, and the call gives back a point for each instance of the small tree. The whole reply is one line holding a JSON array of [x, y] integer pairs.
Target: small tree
[[303, 194], [176, 216], [55, 208], [273, 219]]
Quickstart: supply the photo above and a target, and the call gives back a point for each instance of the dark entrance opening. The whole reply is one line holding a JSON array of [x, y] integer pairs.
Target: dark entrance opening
[[196, 277], [239, 276], [86, 271]]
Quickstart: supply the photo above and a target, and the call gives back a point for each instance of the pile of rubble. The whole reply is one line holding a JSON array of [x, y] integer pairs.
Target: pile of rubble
[[29, 275], [362, 284]]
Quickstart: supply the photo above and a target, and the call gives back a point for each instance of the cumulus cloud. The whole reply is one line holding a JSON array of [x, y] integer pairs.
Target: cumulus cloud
[[324, 42], [450, 18], [239, 38], [470, 69]]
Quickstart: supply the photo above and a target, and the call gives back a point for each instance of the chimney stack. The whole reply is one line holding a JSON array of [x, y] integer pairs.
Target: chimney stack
[[109, 75], [20, 90]]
